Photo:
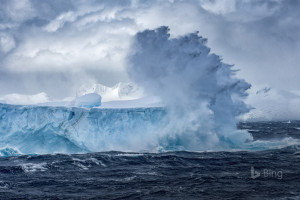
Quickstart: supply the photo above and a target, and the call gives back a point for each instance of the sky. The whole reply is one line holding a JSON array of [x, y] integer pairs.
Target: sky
[[56, 46]]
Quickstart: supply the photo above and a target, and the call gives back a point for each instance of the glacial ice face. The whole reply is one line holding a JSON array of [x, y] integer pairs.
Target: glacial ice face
[[35, 129]]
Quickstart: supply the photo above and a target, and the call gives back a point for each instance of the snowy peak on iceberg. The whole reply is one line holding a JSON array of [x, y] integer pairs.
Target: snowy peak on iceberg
[[120, 91], [128, 90]]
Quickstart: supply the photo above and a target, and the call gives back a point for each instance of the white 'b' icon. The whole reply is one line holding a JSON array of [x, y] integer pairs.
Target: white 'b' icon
[[254, 174]]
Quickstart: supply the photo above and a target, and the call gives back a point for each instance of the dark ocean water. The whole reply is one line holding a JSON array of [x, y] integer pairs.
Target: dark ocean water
[[173, 175]]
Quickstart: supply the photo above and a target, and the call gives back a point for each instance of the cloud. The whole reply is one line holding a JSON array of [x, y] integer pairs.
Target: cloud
[[243, 11], [16, 11], [7, 43], [43, 41]]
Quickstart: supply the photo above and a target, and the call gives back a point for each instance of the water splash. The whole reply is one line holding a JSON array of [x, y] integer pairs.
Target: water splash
[[202, 94]]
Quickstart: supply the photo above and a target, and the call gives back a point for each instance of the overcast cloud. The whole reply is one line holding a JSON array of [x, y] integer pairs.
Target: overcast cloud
[[55, 46]]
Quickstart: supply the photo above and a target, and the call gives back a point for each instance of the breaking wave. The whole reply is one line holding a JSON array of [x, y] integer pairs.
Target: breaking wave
[[202, 95]]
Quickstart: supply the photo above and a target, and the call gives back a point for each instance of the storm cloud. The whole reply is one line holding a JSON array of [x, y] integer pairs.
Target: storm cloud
[[56, 46]]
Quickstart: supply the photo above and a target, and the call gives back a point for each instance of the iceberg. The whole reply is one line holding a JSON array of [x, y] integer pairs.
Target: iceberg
[[47, 129], [42, 129]]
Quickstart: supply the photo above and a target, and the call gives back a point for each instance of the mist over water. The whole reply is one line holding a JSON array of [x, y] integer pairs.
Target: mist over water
[[202, 95]]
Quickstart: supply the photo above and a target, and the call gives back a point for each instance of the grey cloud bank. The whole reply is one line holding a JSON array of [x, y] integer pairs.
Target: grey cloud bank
[[56, 46]]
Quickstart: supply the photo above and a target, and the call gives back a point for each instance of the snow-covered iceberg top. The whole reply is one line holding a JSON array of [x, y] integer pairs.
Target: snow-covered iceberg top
[[89, 95], [120, 91], [22, 99], [87, 101]]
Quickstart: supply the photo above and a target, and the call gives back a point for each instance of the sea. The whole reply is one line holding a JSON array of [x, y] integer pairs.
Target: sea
[[237, 174]]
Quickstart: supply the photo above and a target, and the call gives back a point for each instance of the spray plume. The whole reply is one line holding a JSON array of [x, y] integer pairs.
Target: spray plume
[[202, 95]]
